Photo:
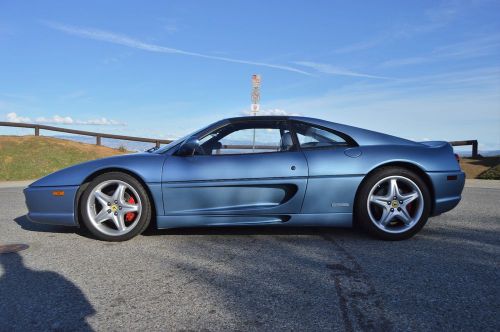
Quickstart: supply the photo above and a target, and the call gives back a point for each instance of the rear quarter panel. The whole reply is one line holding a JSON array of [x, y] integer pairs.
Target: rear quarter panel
[[334, 177]]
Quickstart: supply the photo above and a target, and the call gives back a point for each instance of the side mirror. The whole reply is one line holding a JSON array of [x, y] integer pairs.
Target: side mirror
[[189, 147]]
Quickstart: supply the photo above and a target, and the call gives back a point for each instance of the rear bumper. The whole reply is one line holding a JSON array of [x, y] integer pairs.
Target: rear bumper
[[45, 208], [448, 188]]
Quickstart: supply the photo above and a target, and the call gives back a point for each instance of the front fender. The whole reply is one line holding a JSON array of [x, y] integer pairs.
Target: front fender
[[147, 166], [45, 207]]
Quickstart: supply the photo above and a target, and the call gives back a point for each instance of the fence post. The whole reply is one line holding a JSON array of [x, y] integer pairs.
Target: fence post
[[474, 149], [98, 140], [37, 131]]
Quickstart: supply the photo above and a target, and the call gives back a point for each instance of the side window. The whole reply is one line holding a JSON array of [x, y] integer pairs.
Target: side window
[[311, 137], [249, 137], [242, 141]]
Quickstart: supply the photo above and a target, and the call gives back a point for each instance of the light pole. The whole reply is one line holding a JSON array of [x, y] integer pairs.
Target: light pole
[[255, 101]]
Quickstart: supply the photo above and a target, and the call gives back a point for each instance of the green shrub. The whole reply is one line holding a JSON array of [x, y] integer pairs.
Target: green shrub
[[122, 148], [491, 174]]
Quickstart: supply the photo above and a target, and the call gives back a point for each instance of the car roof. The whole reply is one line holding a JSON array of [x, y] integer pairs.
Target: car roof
[[275, 117]]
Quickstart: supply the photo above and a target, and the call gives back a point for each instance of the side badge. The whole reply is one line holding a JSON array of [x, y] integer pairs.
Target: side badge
[[339, 204]]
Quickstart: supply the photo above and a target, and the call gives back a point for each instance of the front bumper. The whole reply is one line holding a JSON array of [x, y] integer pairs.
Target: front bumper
[[46, 208], [448, 188]]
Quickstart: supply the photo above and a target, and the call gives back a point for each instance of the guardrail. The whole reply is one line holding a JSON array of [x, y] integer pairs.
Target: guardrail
[[472, 142], [98, 136]]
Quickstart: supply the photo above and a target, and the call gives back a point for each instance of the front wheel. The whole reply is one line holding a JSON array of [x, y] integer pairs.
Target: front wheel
[[393, 204], [115, 207]]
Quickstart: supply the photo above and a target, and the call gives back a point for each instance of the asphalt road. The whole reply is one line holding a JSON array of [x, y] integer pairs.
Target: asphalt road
[[445, 278]]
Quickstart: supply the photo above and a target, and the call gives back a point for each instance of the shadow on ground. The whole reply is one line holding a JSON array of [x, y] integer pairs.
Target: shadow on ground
[[28, 225], [276, 278], [39, 300]]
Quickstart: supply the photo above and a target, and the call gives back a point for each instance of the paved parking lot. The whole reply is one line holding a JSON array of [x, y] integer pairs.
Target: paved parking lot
[[446, 278]]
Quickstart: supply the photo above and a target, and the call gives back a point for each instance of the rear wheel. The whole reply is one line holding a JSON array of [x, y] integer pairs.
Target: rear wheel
[[393, 204], [115, 207]]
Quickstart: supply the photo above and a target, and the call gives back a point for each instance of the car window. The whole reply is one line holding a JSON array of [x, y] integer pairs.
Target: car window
[[251, 141], [310, 137], [248, 137]]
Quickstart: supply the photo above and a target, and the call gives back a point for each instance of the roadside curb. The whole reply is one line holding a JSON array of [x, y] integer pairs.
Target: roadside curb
[[487, 184], [15, 184]]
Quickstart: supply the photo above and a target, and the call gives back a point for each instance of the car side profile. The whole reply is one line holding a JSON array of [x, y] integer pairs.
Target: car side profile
[[265, 170]]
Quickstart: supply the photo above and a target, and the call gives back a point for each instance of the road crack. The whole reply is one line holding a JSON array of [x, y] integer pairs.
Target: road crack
[[361, 307]]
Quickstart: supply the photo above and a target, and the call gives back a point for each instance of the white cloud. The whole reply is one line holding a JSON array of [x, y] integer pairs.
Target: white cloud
[[405, 61], [114, 38], [332, 70], [56, 119], [13, 117], [62, 120], [359, 46], [101, 122], [432, 19], [274, 111], [474, 48]]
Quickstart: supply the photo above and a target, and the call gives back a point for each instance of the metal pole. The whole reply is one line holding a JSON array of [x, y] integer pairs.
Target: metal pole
[[255, 101], [253, 144]]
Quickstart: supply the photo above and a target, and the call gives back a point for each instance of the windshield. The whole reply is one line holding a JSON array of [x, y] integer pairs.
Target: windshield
[[180, 140], [169, 145]]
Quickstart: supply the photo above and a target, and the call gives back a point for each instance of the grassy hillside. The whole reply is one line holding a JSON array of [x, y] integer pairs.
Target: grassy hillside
[[30, 157]]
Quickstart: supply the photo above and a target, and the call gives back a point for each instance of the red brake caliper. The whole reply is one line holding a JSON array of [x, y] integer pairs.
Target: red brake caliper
[[130, 216], [410, 208]]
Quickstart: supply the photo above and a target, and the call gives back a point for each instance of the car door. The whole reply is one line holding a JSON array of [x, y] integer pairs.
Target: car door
[[333, 159], [244, 168]]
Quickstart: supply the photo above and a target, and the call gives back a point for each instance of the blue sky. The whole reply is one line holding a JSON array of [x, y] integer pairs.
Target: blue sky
[[423, 70]]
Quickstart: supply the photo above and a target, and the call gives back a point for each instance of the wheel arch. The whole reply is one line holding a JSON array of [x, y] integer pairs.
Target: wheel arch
[[402, 164], [95, 174]]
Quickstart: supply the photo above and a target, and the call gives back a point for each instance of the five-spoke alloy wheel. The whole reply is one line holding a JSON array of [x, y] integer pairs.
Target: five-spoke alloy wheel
[[115, 207], [393, 203]]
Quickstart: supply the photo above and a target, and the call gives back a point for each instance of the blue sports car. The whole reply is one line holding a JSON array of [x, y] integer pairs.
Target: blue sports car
[[266, 170]]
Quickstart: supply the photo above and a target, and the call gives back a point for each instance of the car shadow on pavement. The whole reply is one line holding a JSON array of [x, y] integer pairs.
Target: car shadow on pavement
[[39, 300], [28, 225], [275, 278]]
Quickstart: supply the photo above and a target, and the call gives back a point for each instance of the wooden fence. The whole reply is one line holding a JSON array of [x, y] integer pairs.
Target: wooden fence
[[472, 142], [98, 136]]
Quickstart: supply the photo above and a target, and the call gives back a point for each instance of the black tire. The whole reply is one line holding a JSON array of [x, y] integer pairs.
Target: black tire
[[362, 215], [140, 225]]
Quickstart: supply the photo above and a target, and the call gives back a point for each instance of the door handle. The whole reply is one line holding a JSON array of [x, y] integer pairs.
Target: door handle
[[293, 168]]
